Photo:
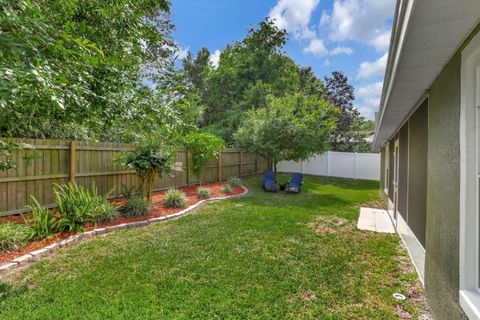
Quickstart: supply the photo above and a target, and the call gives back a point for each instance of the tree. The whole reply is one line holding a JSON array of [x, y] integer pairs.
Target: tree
[[197, 69], [78, 69], [310, 84], [350, 134], [151, 157], [203, 147], [248, 71], [293, 127], [7, 150]]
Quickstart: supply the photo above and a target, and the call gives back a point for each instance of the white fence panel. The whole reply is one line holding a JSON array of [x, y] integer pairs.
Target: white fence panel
[[317, 165], [337, 164], [289, 166], [367, 166], [341, 165]]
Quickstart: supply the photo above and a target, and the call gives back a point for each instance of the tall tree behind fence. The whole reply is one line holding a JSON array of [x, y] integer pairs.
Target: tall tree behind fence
[[91, 163]]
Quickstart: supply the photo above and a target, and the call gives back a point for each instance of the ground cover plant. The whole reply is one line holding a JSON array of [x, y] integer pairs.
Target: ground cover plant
[[13, 236], [135, 206], [227, 188], [234, 181], [175, 198], [203, 193], [265, 256], [41, 222], [78, 206]]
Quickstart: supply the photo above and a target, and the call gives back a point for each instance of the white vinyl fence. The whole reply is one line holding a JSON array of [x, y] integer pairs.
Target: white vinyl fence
[[337, 164]]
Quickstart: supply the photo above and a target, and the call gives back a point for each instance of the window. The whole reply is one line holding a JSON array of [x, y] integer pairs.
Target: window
[[470, 180]]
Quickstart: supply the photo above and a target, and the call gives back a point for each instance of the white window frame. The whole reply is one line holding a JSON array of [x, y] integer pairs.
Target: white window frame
[[469, 177], [387, 169]]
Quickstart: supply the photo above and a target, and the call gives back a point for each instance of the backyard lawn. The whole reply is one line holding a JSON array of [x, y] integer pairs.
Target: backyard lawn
[[265, 256]]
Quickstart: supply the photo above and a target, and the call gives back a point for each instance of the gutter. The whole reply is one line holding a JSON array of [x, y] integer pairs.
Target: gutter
[[401, 23]]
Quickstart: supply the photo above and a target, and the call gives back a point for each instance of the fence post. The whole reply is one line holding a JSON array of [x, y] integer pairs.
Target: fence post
[[240, 165], [328, 163], [354, 166], [73, 161], [219, 169], [188, 167]]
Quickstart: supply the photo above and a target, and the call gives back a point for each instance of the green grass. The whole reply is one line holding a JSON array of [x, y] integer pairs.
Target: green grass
[[266, 256]]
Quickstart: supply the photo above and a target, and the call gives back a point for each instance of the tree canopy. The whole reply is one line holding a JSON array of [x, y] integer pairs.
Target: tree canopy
[[352, 129], [105, 70], [251, 70], [248, 71], [203, 147], [86, 69], [293, 127]]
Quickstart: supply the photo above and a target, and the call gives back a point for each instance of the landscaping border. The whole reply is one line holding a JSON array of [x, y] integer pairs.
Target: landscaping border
[[33, 256]]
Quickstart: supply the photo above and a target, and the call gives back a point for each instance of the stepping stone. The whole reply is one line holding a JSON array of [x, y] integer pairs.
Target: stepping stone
[[376, 220]]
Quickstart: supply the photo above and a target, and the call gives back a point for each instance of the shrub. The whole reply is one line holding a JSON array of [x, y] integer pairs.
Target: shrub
[[227, 188], [203, 147], [203, 193], [283, 181], [234, 181], [42, 222], [135, 206], [175, 198], [75, 205], [150, 158], [104, 212], [13, 236]]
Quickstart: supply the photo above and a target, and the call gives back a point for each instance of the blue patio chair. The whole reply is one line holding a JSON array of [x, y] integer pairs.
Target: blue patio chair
[[268, 183], [295, 185]]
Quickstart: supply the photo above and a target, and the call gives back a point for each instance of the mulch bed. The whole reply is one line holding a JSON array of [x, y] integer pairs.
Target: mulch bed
[[157, 210]]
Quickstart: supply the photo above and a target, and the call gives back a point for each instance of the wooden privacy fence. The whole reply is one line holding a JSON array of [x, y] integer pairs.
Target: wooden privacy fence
[[91, 163]]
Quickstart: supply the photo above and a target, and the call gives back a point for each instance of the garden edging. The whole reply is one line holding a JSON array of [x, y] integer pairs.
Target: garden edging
[[36, 255]]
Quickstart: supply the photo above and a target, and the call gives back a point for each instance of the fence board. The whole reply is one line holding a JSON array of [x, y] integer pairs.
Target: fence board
[[337, 164], [94, 164]]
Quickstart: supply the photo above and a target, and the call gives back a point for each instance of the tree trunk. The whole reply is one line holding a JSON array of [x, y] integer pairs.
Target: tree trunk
[[275, 169], [147, 179]]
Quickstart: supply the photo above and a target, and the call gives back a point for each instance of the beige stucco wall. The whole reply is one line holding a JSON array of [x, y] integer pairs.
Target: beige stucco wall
[[439, 168]]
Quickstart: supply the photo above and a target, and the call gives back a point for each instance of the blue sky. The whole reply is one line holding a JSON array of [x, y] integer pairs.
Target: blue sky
[[347, 35]]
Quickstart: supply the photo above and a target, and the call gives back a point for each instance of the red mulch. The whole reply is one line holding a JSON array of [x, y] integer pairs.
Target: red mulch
[[158, 210], [33, 245]]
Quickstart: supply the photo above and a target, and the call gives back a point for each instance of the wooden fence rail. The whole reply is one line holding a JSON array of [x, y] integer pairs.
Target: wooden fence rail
[[91, 163]]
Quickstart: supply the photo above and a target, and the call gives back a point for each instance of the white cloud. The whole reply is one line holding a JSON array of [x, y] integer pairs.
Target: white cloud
[[340, 50], [215, 58], [369, 99], [369, 69], [382, 41], [359, 20], [316, 47], [294, 16], [326, 63]]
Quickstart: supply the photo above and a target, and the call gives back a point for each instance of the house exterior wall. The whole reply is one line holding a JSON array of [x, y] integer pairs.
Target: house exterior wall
[[417, 171], [432, 209], [443, 192]]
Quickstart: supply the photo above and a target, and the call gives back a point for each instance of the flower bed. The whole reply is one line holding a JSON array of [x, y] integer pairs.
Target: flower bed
[[157, 210]]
